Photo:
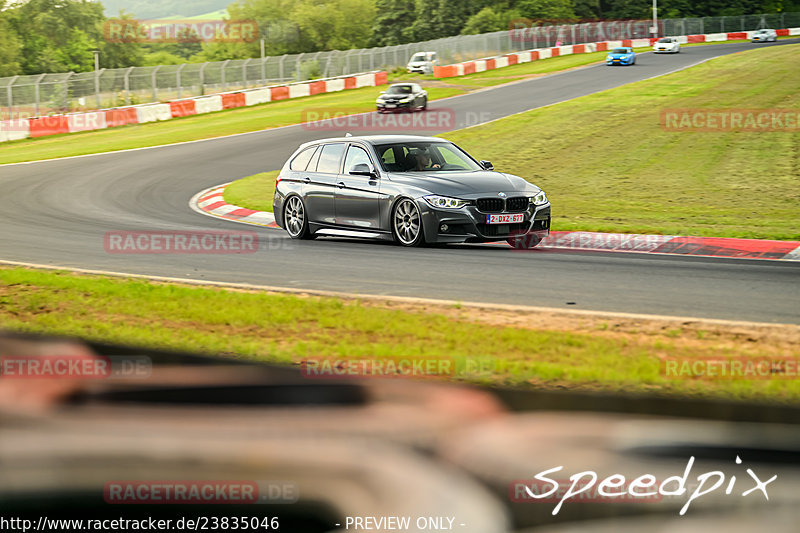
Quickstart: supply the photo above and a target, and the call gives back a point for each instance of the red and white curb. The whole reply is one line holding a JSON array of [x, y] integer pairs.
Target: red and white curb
[[211, 202]]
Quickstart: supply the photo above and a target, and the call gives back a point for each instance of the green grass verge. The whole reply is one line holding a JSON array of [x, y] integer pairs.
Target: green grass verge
[[253, 192], [287, 328], [607, 165]]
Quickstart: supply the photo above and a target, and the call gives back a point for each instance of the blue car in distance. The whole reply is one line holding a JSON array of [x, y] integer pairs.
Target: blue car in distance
[[621, 56]]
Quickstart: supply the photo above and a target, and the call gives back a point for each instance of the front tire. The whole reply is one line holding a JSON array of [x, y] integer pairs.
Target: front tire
[[295, 218], [407, 223], [524, 241]]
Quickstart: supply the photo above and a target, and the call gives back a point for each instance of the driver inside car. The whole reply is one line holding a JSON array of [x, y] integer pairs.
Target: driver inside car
[[421, 161]]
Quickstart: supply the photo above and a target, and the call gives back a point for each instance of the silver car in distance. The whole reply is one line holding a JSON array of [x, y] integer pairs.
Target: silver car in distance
[[410, 189]]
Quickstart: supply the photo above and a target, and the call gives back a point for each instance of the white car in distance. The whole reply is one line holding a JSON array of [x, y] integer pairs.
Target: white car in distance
[[667, 45], [764, 36], [423, 62]]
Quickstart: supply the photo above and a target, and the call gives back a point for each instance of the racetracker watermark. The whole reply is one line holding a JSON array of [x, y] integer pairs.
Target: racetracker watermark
[[721, 368], [75, 367], [407, 367], [200, 492], [688, 119], [180, 31], [384, 367], [357, 120], [181, 242]]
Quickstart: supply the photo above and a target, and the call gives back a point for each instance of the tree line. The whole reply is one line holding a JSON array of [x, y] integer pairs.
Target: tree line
[[38, 36]]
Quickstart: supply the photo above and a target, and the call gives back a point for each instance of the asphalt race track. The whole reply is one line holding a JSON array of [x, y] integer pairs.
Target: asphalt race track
[[57, 212]]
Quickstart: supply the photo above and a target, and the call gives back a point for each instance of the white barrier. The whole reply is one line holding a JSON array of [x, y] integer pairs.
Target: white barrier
[[501, 62], [14, 130], [613, 44], [153, 113], [480, 65], [208, 104], [714, 37], [86, 121], [257, 96], [545, 53], [365, 80], [794, 31], [335, 85], [524, 57], [302, 89], [640, 43], [565, 50]]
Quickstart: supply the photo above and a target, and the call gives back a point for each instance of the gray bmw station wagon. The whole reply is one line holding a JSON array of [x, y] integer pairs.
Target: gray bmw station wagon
[[406, 188]]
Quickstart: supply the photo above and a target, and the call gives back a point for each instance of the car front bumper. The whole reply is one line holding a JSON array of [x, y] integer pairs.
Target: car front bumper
[[395, 107], [619, 62], [469, 225]]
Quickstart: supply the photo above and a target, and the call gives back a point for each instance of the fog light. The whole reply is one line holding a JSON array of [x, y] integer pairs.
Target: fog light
[[443, 228]]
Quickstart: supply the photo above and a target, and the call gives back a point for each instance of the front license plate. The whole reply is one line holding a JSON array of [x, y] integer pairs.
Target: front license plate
[[505, 219], [391, 105]]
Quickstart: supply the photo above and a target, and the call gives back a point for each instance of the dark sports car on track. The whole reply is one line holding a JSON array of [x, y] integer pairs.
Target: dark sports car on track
[[402, 97], [409, 189]]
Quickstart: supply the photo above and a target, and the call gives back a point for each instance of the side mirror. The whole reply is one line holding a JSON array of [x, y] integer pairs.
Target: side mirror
[[363, 169], [487, 164]]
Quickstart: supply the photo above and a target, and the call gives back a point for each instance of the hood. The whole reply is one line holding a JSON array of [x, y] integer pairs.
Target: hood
[[466, 185], [626, 54]]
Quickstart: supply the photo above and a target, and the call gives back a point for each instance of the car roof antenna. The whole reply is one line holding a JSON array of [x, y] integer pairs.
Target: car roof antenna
[[348, 134]]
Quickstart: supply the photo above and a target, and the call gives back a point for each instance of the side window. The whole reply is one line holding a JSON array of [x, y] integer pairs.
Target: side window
[[330, 157], [301, 161], [388, 155], [356, 155], [312, 166]]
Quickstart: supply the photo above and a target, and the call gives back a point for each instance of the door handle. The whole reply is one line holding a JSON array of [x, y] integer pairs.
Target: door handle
[[340, 185], [307, 180]]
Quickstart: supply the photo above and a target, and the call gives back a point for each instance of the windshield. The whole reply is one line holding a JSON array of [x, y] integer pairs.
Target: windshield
[[425, 157], [418, 57], [619, 51], [665, 40], [399, 89]]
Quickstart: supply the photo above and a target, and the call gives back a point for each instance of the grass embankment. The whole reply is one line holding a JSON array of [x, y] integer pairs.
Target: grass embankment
[[553, 351], [608, 165]]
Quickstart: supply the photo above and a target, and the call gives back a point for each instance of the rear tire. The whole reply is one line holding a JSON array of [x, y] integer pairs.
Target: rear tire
[[295, 218]]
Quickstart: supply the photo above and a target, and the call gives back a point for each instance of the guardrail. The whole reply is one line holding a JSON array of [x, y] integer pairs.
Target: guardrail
[[40, 126], [505, 60]]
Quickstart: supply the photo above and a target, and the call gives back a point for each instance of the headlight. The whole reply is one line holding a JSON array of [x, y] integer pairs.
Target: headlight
[[539, 199], [406, 99], [444, 202]]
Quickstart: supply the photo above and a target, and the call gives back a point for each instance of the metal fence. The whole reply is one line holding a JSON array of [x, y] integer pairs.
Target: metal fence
[[58, 93]]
